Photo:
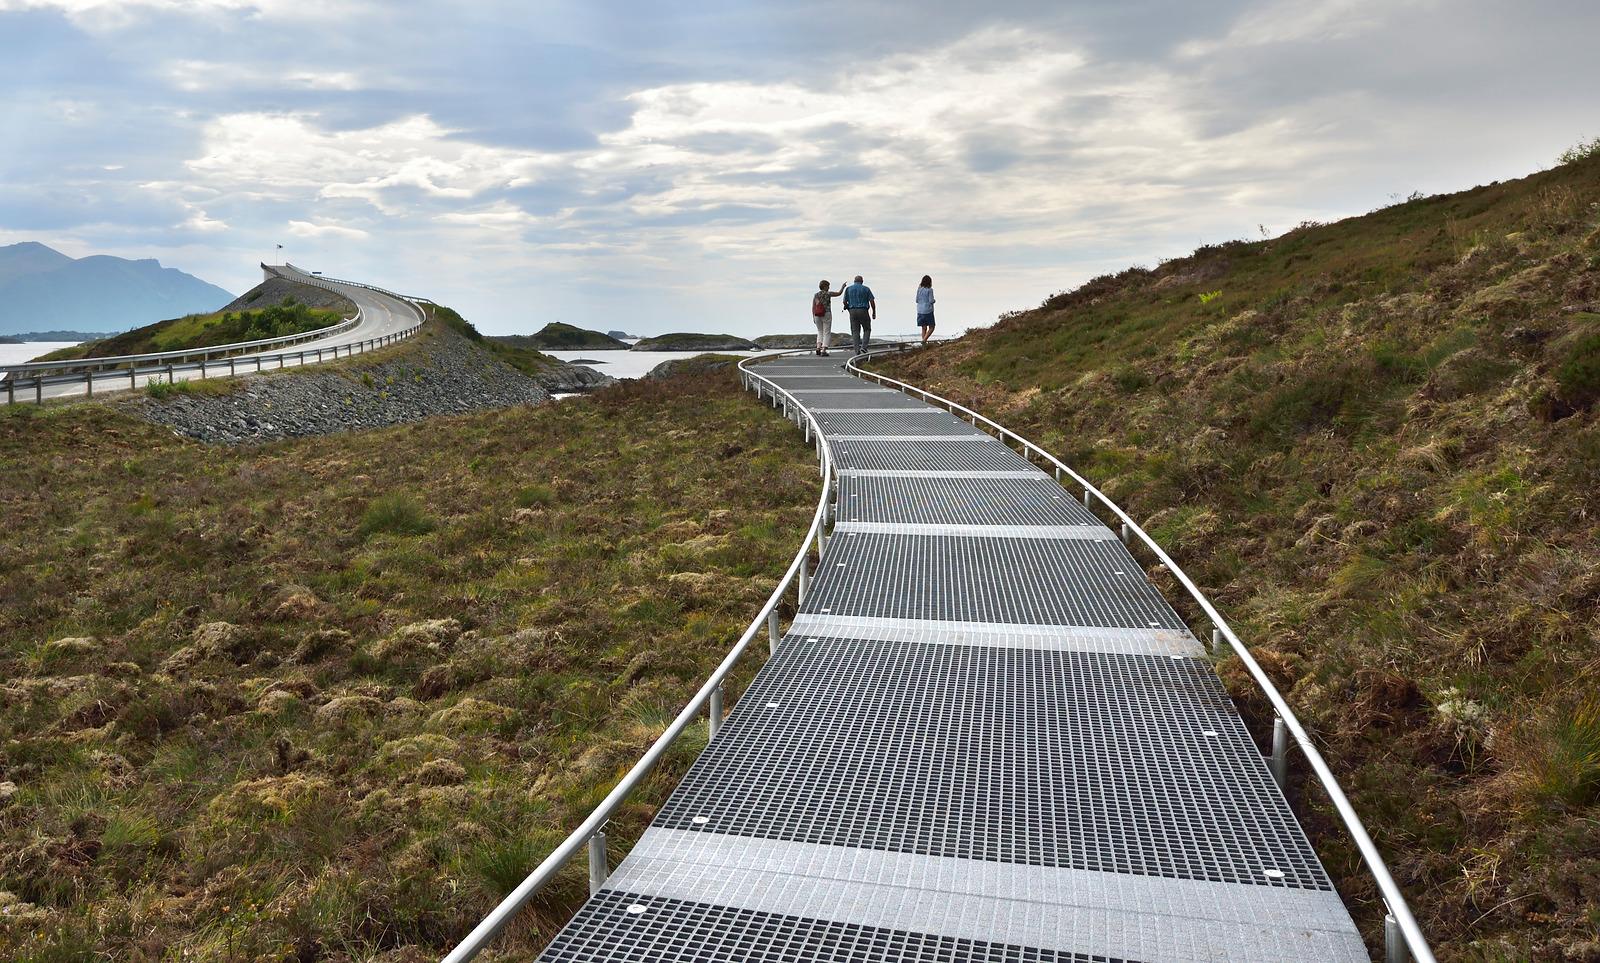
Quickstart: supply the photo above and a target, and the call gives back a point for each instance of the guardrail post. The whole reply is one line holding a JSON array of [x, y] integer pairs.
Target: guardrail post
[[133, 378], [11, 391], [231, 369], [170, 379], [598, 871], [88, 380], [38, 391], [1280, 751], [1394, 944], [202, 368], [772, 632], [714, 712]]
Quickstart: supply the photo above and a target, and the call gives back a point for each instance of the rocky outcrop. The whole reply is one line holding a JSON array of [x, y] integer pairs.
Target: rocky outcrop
[[568, 378], [699, 364], [694, 342], [558, 336], [438, 373], [784, 342]]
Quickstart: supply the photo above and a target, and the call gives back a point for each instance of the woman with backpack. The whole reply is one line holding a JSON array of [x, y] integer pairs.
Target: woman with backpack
[[822, 314], [925, 307]]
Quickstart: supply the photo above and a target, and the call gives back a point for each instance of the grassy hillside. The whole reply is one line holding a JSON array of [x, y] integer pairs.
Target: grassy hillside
[[527, 360], [1375, 444], [331, 699], [205, 330]]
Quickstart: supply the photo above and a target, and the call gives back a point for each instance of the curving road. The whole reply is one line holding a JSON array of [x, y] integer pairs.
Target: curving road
[[381, 314]]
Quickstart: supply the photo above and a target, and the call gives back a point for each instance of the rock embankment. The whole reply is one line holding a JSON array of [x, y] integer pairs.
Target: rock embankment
[[786, 342], [439, 373], [274, 291]]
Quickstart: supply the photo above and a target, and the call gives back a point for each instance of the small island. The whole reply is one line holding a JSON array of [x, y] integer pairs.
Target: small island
[[694, 342], [793, 341], [559, 336], [7, 340]]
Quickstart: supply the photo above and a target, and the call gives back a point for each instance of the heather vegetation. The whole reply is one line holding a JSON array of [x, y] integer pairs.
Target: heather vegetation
[[331, 699], [1376, 444]]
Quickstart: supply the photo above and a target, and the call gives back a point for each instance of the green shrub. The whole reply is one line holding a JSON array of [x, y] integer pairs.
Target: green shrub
[[1129, 380], [1567, 769], [395, 514], [1579, 375], [1581, 150]]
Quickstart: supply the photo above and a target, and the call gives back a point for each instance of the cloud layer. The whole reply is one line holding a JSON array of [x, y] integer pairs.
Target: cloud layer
[[671, 166]]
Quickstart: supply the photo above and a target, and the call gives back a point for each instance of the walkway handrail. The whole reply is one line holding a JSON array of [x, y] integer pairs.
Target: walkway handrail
[[112, 361], [592, 828], [12, 380], [1400, 923]]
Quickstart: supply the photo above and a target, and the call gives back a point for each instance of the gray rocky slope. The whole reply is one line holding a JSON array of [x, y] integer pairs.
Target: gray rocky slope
[[437, 373]]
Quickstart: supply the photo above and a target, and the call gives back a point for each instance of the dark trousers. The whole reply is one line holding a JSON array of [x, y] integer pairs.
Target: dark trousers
[[860, 328]]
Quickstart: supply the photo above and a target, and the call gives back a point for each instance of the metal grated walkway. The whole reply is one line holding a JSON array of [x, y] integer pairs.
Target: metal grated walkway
[[985, 737]]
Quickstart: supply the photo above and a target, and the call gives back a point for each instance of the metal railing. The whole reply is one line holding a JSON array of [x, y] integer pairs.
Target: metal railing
[[1403, 938], [171, 363], [591, 832]]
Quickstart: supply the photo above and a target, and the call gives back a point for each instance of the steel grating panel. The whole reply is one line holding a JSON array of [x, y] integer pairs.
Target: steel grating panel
[[625, 927], [930, 454], [800, 382], [1111, 763], [1077, 638], [1019, 580], [1099, 532], [1115, 914], [885, 401], [1030, 500], [923, 422]]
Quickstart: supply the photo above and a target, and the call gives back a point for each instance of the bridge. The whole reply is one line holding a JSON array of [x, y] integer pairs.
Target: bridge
[[381, 318], [984, 736]]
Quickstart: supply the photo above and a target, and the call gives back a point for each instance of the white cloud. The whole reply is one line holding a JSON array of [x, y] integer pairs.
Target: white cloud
[[309, 229], [97, 15]]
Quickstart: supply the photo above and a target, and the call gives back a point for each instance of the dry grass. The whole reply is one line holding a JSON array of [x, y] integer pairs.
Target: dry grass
[[331, 699]]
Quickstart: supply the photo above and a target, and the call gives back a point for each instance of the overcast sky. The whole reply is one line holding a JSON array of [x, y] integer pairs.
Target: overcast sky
[[657, 165]]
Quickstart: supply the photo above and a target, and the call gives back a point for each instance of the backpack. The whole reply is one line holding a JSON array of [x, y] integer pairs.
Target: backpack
[[819, 307]]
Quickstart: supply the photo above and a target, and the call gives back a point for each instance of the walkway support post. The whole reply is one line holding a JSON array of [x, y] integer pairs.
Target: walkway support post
[[714, 712], [1280, 751], [597, 862], [1394, 944]]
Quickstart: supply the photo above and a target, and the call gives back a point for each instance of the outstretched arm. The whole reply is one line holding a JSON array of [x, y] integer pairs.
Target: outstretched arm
[[836, 294]]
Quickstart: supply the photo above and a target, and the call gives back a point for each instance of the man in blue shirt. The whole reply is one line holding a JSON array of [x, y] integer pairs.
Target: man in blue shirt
[[863, 308]]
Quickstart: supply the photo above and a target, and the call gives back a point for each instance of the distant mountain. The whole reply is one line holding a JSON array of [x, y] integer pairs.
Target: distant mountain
[[43, 288]]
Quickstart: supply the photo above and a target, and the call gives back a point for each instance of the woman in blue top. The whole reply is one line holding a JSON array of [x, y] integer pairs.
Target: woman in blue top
[[925, 307]]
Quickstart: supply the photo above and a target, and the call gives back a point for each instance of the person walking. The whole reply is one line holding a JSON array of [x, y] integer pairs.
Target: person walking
[[925, 307], [822, 314], [863, 308]]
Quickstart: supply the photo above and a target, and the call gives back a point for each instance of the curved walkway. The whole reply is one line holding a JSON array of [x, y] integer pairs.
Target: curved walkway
[[985, 737]]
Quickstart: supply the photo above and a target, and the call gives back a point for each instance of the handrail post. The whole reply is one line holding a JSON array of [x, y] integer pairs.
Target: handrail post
[[598, 871], [1086, 498], [1126, 533], [805, 579], [1217, 651], [1280, 751], [1394, 943], [772, 631], [714, 712]]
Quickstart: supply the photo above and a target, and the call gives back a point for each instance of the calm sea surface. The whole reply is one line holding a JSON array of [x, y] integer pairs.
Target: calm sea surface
[[18, 353]]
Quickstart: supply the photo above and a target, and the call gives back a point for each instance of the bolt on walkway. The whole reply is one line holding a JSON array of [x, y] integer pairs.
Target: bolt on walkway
[[985, 737]]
